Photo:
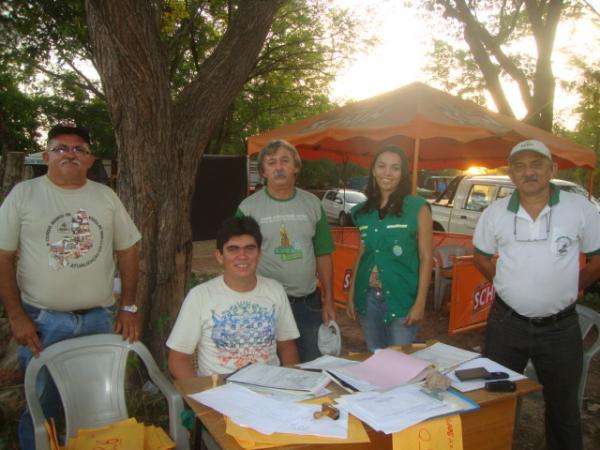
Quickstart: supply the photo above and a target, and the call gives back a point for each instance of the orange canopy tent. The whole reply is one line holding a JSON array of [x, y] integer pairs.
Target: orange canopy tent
[[441, 130]]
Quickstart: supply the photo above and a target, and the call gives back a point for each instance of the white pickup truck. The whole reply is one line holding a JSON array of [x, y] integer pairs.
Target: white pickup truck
[[458, 208]]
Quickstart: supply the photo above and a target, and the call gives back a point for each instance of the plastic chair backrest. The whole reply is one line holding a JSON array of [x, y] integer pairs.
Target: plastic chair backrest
[[89, 373], [588, 319]]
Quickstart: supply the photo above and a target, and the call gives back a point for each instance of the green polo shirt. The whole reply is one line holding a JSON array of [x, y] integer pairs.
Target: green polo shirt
[[391, 244]]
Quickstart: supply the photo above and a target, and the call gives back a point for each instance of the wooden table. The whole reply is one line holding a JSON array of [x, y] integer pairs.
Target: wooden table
[[490, 427]]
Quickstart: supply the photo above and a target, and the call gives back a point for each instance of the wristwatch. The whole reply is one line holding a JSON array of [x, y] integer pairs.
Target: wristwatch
[[129, 308]]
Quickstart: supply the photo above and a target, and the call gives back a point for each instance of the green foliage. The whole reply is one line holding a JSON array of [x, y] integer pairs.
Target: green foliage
[[455, 71], [587, 131], [45, 46], [326, 173]]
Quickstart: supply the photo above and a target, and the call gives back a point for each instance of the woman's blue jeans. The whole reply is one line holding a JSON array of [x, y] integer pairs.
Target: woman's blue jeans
[[378, 333], [55, 326]]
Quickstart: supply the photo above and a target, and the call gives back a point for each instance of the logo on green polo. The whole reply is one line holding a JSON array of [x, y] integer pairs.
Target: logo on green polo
[[286, 250]]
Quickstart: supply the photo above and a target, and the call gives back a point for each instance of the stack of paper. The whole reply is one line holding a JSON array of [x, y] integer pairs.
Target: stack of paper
[[248, 438], [491, 366], [241, 406], [265, 376], [386, 368], [445, 357], [125, 435], [402, 407]]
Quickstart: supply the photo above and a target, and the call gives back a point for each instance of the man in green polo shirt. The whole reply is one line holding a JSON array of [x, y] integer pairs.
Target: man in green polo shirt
[[297, 243], [538, 234]]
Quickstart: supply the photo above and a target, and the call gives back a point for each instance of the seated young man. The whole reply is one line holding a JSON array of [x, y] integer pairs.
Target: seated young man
[[237, 318]]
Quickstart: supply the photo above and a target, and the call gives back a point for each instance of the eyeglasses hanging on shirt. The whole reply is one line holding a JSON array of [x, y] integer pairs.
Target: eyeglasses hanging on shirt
[[524, 232]]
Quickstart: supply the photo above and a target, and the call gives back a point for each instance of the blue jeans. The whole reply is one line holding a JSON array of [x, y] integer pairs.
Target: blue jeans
[[308, 315], [378, 333], [556, 351], [55, 326]]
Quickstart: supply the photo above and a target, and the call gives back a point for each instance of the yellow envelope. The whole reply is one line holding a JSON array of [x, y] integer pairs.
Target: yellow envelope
[[443, 433], [252, 439], [155, 438], [125, 435]]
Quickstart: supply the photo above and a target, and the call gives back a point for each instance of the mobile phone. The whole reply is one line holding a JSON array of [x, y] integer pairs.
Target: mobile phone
[[472, 374], [501, 386], [497, 376]]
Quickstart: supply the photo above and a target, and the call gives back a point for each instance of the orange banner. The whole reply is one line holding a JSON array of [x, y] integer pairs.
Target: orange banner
[[472, 297]]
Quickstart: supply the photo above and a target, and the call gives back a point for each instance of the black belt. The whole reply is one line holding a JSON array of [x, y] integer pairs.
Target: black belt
[[82, 311], [301, 299], [537, 321]]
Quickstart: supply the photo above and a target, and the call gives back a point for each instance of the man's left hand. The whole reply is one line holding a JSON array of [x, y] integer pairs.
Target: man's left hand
[[127, 325]]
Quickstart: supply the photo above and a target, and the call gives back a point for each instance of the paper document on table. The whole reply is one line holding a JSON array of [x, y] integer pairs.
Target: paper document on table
[[445, 357], [491, 366], [327, 362], [275, 377], [402, 407], [388, 368], [241, 406], [249, 438]]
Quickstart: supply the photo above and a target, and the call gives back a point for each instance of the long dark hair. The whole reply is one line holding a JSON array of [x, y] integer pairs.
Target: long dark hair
[[373, 192]]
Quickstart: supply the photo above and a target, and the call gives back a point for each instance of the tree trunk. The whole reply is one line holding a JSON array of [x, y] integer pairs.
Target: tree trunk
[[160, 139], [13, 172]]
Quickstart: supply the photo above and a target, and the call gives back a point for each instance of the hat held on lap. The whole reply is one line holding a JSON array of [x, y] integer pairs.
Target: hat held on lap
[[531, 145], [330, 339]]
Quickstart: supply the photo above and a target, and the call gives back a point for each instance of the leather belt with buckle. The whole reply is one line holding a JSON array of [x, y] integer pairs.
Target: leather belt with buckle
[[538, 321]]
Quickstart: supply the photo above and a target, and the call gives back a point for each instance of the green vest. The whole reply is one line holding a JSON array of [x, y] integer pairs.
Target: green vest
[[391, 244]]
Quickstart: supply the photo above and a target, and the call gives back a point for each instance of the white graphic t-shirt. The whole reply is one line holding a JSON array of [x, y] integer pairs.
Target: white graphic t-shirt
[[66, 239], [230, 329]]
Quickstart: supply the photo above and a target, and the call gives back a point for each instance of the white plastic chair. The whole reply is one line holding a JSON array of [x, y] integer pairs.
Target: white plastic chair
[[443, 260], [588, 319], [89, 373]]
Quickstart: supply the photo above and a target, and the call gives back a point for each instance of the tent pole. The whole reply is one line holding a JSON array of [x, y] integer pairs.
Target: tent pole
[[591, 183], [415, 165]]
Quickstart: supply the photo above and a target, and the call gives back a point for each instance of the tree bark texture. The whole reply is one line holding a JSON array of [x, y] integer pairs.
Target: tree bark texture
[[13, 172], [537, 92], [161, 139]]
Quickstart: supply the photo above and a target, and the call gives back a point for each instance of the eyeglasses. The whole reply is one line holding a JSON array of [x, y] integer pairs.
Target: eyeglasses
[[78, 150], [523, 235]]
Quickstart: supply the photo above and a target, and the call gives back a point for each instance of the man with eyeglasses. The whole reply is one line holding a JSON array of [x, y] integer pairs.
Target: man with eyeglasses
[[58, 237], [537, 234]]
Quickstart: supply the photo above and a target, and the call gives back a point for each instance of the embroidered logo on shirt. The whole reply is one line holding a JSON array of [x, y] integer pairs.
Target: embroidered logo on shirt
[[70, 240], [287, 251], [562, 245], [398, 225]]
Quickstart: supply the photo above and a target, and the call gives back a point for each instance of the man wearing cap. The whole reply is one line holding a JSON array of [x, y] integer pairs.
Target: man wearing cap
[[65, 230], [297, 243], [538, 233]]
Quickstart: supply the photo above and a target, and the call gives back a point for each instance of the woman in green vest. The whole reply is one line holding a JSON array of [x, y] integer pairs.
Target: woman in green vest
[[393, 268]]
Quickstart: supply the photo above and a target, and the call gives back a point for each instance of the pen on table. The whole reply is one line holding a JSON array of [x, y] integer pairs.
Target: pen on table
[[342, 383]]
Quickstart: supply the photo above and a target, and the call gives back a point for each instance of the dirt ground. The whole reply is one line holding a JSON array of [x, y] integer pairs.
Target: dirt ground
[[529, 432]]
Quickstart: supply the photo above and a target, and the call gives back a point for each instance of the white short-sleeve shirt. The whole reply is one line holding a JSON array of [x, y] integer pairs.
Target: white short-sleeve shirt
[[537, 272], [229, 329]]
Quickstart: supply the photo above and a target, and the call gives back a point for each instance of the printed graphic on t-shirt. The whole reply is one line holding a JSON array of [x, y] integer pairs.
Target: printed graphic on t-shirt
[[244, 334], [288, 250], [74, 240]]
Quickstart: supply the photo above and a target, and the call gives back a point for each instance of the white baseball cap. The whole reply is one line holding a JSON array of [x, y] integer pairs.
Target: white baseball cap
[[330, 339], [531, 145]]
